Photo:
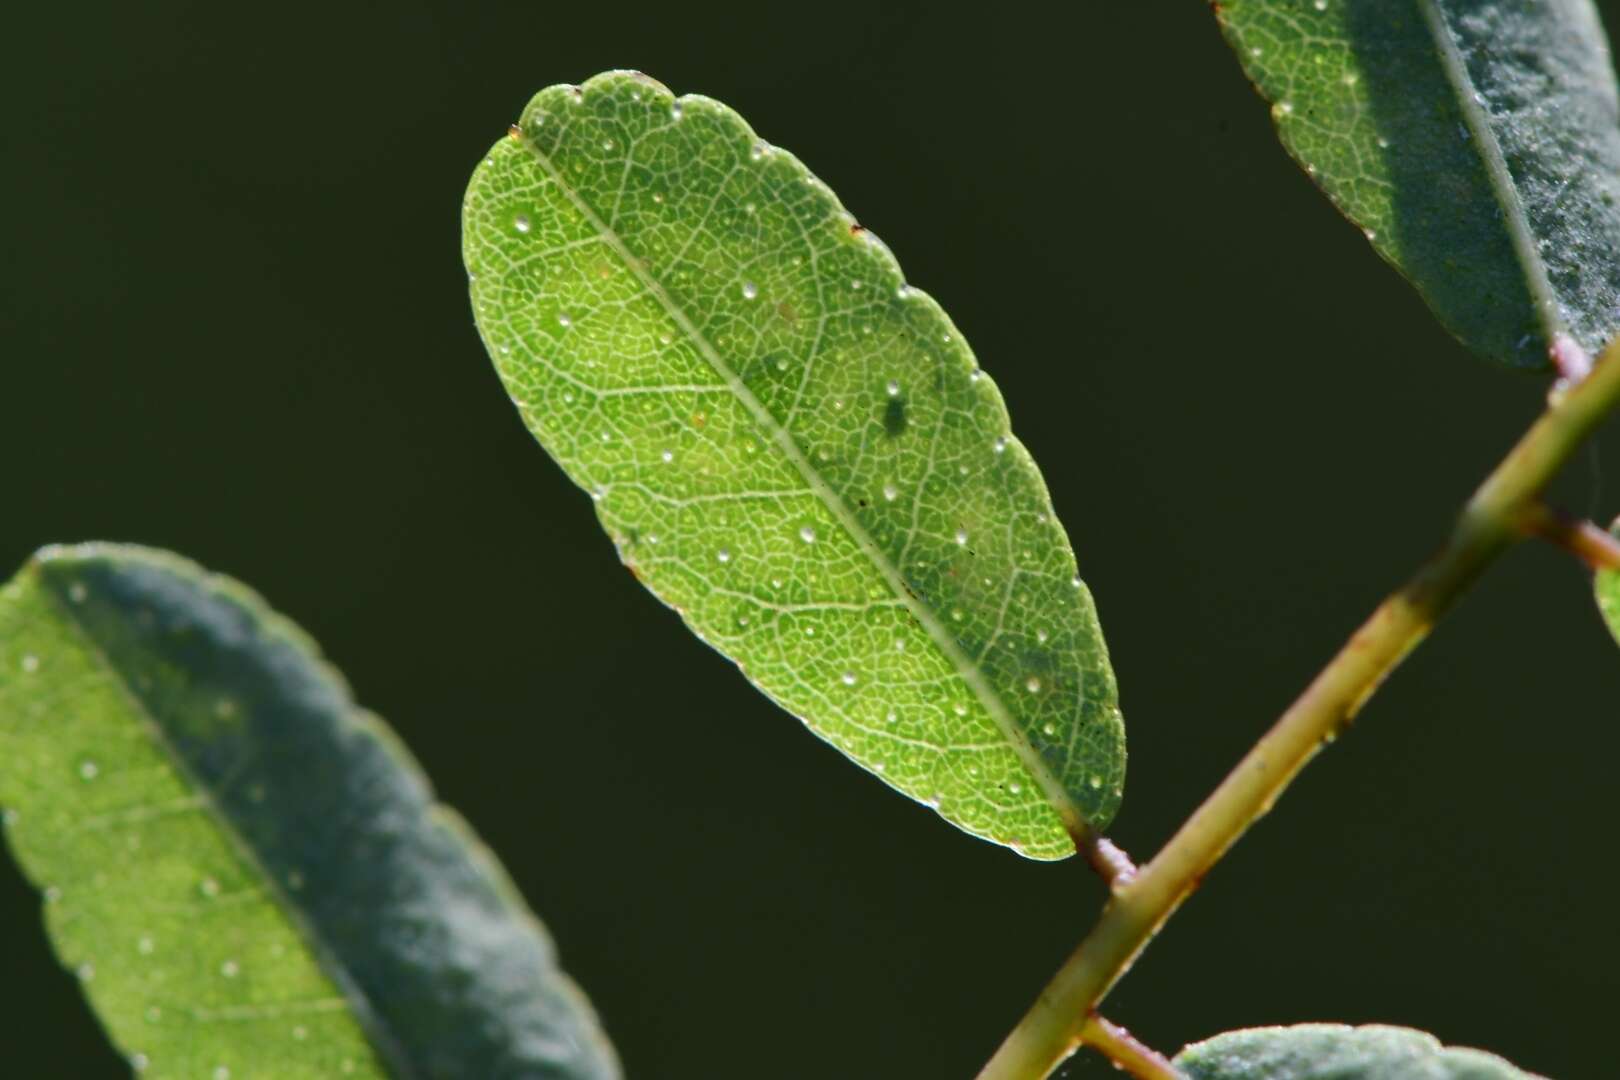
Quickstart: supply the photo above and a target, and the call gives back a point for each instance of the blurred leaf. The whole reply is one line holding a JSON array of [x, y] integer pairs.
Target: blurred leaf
[[796, 451], [249, 874], [1477, 143], [1606, 587], [1337, 1052]]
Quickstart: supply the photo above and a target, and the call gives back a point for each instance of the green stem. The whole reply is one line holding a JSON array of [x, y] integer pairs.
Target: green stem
[[1125, 1051], [1582, 539], [1491, 522], [1112, 864]]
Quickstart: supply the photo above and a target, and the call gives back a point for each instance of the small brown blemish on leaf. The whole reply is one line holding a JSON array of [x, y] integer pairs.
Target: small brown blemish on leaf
[[856, 229], [514, 132], [699, 419], [785, 311]]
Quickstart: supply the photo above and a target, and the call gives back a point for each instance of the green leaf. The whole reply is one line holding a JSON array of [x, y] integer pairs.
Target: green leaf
[[1337, 1052], [248, 873], [1606, 587], [1477, 143], [795, 450]]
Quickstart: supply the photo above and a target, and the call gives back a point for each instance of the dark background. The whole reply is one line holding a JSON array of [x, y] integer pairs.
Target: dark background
[[233, 322]]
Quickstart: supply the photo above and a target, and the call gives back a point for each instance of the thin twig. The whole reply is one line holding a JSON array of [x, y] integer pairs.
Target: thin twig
[[1111, 863], [1125, 1051], [1488, 525], [1595, 547]]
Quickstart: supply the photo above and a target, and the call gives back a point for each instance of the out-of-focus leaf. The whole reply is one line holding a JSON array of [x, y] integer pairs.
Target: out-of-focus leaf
[[248, 873]]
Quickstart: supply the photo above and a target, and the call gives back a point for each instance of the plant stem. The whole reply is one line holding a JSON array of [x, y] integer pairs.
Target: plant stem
[[1588, 543], [1123, 1049], [1112, 864], [1489, 523]]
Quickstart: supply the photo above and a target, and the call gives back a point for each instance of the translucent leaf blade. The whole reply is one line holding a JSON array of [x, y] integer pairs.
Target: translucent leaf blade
[[1476, 143], [1606, 590], [796, 451], [249, 874], [1338, 1052]]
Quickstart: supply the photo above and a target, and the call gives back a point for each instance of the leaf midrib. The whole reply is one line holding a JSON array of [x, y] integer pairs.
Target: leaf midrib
[[365, 1014], [1051, 786], [1544, 300]]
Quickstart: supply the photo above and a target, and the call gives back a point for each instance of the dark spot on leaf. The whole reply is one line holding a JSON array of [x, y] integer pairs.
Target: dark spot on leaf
[[894, 417]]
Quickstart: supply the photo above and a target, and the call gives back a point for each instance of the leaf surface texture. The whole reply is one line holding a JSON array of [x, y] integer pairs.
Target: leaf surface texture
[[1476, 142], [796, 450], [1338, 1052]]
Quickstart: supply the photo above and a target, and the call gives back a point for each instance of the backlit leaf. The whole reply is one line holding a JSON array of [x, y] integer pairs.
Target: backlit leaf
[[796, 450], [1606, 587]]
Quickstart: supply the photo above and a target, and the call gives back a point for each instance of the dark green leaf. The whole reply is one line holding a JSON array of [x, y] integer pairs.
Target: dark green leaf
[[1477, 143], [250, 874], [1337, 1052]]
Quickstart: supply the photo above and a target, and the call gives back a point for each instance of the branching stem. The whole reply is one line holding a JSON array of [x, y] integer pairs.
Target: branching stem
[[1593, 546], [1110, 862], [1123, 1049], [1492, 520]]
